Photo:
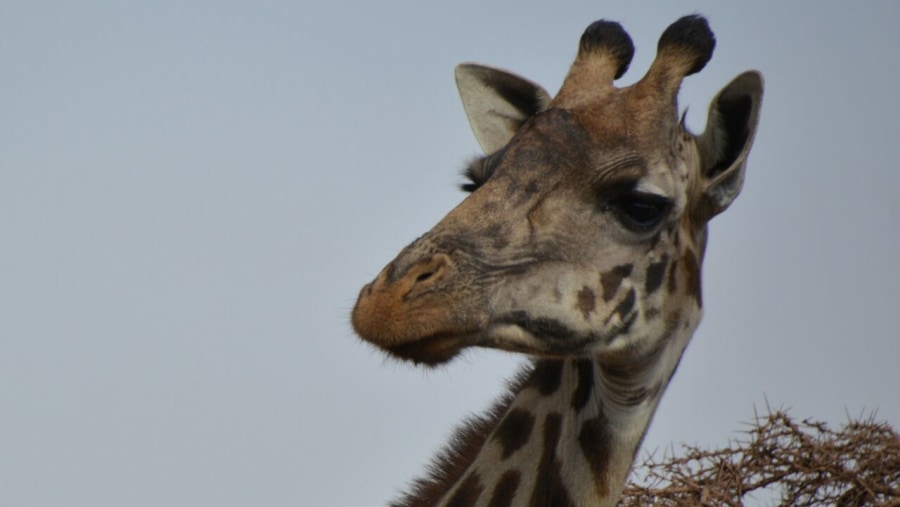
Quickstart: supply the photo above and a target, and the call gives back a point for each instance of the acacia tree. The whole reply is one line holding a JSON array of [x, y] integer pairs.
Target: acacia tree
[[805, 463]]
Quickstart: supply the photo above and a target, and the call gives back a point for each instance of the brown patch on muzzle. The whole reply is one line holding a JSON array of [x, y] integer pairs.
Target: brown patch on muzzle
[[416, 315]]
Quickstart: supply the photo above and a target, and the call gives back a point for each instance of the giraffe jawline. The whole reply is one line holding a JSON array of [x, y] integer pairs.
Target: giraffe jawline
[[432, 350]]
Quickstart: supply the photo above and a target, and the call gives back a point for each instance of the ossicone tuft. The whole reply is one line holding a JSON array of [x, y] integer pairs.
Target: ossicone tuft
[[689, 37], [609, 37]]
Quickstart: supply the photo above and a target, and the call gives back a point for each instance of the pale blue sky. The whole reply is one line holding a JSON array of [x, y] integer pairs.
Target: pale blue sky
[[191, 195]]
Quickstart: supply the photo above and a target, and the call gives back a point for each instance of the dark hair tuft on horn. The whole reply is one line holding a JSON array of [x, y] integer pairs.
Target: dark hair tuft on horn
[[691, 34], [609, 37]]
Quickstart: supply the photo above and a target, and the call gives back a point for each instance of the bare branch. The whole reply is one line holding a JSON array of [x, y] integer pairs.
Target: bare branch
[[808, 463]]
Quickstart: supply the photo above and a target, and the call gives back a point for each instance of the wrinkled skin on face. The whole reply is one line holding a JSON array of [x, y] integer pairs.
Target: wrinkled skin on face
[[537, 259], [583, 235]]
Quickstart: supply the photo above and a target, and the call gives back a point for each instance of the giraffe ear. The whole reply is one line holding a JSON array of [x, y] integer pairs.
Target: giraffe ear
[[733, 118], [497, 103]]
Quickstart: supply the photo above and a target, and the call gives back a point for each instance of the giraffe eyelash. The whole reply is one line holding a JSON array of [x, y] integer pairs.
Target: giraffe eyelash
[[479, 170], [477, 173]]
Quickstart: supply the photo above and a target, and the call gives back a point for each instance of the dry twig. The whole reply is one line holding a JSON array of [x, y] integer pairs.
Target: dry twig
[[808, 463]]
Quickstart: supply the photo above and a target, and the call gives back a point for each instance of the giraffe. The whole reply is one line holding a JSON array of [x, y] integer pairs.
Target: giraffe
[[579, 244]]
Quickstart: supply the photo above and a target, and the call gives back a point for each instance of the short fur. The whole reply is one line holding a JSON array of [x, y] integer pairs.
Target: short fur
[[580, 244], [451, 462]]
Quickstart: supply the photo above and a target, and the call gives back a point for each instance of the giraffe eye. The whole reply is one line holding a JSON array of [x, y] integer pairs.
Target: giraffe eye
[[640, 212]]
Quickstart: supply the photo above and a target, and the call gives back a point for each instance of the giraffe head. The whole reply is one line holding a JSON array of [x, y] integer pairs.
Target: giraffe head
[[585, 226]]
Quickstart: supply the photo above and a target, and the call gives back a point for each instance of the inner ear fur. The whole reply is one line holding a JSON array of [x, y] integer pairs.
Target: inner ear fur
[[497, 103], [730, 130]]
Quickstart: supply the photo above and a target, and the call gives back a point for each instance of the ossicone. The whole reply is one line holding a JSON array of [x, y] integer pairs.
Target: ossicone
[[689, 42], [607, 39]]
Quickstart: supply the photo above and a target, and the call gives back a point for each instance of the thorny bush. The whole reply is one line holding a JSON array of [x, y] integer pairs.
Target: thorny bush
[[805, 463]]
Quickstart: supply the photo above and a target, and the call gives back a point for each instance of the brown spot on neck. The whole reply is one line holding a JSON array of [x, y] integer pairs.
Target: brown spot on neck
[[467, 493], [596, 444], [692, 273], [548, 485], [514, 431], [672, 285], [505, 490], [626, 305], [587, 302], [612, 280], [655, 274], [547, 376], [582, 394]]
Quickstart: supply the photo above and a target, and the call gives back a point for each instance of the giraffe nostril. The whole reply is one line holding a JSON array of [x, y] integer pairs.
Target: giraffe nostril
[[429, 271]]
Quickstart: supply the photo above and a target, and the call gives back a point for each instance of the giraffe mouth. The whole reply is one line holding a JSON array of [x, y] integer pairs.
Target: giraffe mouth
[[433, 349]]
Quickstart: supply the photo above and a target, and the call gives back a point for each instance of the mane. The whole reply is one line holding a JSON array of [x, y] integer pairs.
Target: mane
[[451, 462]]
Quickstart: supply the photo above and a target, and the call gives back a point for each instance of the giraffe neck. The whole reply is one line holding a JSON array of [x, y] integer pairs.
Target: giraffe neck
[[565, 435]]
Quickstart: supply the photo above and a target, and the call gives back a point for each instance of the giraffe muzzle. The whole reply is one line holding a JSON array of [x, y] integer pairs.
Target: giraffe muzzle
[[412, 311]]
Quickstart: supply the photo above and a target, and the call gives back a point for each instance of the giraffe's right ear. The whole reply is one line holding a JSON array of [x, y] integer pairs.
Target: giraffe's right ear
[[497, 103], [730, 129]]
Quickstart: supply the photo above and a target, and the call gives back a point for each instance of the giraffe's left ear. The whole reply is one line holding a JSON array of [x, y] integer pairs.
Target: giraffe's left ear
[[497, 103], [733, 118]]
